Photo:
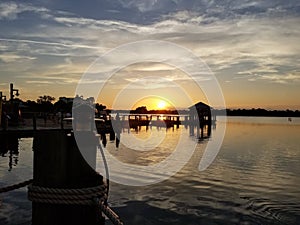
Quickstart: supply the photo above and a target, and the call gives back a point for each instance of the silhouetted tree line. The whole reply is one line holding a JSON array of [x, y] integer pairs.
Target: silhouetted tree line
[[45, 104], [259, 112], [228, 112], [143, 110]]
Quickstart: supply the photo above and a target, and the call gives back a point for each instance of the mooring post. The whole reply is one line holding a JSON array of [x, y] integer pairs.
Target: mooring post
[[112, 135], [0, 107], [34, 121], [62, 121], [209, 130], [58, 163]]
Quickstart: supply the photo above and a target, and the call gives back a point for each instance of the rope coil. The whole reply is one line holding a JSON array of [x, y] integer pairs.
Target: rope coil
[[82, 196]]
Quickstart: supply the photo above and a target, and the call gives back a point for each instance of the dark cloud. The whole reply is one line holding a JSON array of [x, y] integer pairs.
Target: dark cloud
[[151, 11]]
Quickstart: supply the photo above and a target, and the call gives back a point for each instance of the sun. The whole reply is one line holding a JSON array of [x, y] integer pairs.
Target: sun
[[161, 104]]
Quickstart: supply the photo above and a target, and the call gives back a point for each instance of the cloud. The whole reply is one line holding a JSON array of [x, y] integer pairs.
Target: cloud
[[50, 79], [11, 10], [39, 82], [142, 6], [150, 67], [281, 78], [241, 41], [3, 84], [66, 45], [149, 82], [8, 58], [104, 25], [267, 42]]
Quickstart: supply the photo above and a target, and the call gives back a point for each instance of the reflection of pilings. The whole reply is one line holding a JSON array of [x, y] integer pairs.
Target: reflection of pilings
[[112, 136], [118, 137], [136, 120], [209, 130], [103, 138], [10, 144], [117, 126], [202, 131], [192, 130]]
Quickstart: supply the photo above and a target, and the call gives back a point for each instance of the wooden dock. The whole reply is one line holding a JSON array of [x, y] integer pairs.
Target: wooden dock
[[26, 133]]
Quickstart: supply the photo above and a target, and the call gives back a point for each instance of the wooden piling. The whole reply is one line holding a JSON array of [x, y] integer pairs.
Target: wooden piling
[[34, 121], [58, 163], [112, 135], [0, 107]]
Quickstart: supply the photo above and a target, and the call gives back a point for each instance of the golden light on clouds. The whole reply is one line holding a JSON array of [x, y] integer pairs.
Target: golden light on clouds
[[253, 49], [151, 84]]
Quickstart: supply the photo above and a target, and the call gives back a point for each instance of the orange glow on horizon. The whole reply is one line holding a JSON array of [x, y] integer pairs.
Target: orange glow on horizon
[[153, 103]]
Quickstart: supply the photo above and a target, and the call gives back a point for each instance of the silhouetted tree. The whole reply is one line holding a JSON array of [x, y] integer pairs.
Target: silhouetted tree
[[45, 98], [62, 106], [140, 110], [100, 107], [32, 106], [45, 103]]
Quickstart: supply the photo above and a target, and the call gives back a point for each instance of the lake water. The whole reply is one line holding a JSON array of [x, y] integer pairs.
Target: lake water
[[255, 178]]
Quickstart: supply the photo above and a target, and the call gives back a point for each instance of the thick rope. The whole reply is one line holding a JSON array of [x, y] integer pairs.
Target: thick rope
[[111, 215], [15, 186], [82, 196]]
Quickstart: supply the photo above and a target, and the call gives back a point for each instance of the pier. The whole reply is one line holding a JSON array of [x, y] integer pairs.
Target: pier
[[29, 124], [159, 120], [199, 118]]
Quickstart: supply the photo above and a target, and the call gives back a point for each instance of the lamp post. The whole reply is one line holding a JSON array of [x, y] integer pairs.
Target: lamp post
[[2, 97], [12, 90], [2, 121], [0, 107]]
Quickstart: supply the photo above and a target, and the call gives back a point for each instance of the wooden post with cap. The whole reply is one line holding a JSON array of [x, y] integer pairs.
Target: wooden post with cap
[[58, 163]]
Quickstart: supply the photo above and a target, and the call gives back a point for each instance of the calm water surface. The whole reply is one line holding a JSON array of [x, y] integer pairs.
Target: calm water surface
[[255, 178]]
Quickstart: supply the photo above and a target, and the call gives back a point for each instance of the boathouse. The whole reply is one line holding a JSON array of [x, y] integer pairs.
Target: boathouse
[[200, 118], [200, 112]]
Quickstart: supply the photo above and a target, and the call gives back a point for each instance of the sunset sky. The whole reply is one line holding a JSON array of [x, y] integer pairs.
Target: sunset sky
[[251, 47]]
